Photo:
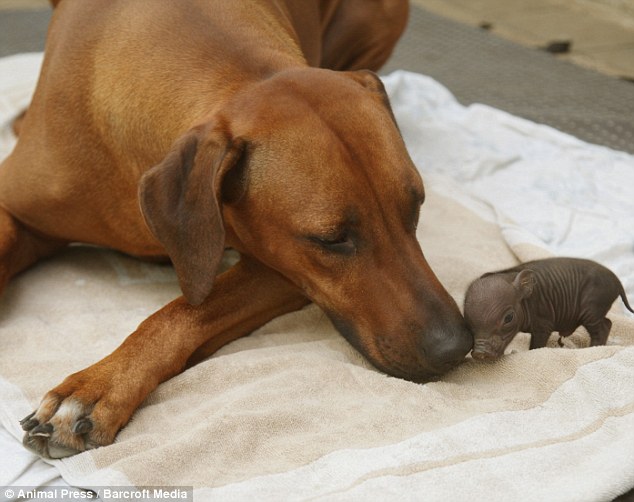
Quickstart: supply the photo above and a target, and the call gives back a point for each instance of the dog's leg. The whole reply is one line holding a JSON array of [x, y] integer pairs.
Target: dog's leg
[[89, 407], [20, 247]]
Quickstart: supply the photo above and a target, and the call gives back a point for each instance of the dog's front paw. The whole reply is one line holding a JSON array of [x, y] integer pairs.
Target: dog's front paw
[[76, 416], [60, 433]]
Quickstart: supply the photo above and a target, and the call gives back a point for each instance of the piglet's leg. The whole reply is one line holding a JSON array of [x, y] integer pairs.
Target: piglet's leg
[[562, 335], [539, 339], [599, 331]]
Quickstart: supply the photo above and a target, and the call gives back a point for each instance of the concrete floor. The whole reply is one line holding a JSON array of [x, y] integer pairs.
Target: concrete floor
[[23, 4], [23, 25], [601, 33]]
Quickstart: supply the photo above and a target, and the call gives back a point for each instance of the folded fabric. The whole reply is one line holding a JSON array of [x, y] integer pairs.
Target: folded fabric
[[294, 412]]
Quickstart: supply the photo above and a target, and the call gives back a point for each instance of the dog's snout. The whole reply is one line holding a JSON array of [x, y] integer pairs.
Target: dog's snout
[[446, 346]]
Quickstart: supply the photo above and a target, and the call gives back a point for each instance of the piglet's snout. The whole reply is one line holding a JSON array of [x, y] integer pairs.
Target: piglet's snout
[[482, 356], [481, 352]]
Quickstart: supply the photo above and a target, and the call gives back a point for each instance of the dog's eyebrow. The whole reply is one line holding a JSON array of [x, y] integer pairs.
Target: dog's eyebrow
[[332, 226], [348, 221]]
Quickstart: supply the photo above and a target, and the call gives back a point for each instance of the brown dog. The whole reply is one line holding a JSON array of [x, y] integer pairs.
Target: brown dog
[[254, 147]]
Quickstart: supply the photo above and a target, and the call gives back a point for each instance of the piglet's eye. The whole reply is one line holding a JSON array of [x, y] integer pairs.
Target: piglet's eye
[[508, 318]]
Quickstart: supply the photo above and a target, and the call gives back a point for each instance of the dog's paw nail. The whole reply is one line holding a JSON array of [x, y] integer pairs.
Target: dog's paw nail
[[29, 422], [44, 430], [82, 426]]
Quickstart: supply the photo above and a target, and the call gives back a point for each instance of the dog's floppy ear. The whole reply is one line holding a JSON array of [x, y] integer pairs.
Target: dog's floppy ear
[[180, 201]]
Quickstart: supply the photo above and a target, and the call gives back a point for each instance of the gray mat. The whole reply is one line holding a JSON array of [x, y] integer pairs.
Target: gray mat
[[23, 31], [475, 65]]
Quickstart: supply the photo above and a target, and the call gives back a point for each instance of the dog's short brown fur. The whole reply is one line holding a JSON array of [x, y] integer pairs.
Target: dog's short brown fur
[[255, 147]]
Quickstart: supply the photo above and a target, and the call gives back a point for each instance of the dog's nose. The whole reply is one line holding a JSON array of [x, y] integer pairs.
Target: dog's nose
[[446, 346]]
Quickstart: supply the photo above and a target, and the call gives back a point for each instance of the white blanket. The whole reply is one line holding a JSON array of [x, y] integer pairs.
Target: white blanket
[[292, 411]]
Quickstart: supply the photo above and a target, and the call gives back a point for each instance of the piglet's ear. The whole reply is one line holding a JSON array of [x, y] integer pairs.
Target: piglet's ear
[[524, 282], [180, 201]]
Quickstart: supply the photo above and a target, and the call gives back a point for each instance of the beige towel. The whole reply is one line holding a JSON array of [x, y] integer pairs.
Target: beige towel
[[292, 412]]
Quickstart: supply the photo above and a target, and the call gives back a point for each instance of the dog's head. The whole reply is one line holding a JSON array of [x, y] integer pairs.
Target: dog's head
[[307, 173]]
